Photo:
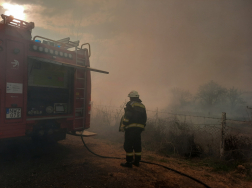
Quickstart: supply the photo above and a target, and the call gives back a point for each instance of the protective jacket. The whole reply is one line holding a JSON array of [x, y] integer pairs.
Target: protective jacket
[[134, 116]]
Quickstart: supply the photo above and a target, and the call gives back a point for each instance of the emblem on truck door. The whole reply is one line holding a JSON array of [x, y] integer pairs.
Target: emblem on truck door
[[15, 64]]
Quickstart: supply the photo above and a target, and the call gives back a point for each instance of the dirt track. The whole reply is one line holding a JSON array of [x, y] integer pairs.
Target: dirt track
[[69, 164]]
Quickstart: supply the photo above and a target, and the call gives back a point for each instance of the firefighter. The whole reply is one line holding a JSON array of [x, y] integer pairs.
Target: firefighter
[[133, 123]]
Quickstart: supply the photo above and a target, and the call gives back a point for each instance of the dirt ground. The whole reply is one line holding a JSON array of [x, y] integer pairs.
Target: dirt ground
[[69, 164]]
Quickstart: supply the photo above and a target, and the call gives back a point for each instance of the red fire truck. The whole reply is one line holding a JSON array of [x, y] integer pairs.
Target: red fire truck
[[45, 84]]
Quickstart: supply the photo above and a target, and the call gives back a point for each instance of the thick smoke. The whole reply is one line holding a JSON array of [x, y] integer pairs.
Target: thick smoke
[[154, 46]]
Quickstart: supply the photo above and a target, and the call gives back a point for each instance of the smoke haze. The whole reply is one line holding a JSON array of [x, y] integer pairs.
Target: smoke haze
[[153, 46]]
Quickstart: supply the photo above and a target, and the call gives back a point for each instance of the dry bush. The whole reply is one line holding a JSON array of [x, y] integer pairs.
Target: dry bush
[[238, 148], [169, 137]]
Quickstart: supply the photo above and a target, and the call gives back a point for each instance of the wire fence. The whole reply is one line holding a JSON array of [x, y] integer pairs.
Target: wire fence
[[187, 134]]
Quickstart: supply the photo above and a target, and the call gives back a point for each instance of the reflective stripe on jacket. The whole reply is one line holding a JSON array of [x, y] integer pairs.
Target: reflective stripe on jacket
[[134, 125], [134, 116]]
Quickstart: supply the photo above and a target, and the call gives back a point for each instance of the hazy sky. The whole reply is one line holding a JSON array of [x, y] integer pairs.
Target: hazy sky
[[153, 46]]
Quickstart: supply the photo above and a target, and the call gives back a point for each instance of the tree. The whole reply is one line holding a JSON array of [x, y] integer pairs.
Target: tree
[[234, 97], [211, 94], [180, 97]]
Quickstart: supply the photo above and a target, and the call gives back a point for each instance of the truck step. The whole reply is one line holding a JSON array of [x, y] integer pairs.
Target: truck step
[[84, 133]]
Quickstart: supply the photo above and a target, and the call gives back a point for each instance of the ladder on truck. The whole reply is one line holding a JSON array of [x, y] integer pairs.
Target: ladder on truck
[[80, 78], [81, 85]]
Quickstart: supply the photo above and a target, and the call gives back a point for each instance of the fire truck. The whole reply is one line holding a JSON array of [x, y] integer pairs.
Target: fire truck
[[45, 84]]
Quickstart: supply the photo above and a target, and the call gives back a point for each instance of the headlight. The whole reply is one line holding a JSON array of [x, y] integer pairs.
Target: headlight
[[70, 56], [61, 53], [41, 49], [35, 47], [56, 52], [51, 51], [65, 54], [46, 50]]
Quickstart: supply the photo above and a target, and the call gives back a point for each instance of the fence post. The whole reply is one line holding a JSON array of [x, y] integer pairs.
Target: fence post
[[223, 126], [156, 121]]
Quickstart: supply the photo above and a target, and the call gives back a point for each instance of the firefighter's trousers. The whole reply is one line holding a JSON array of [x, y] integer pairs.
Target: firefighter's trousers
[[132, 143]]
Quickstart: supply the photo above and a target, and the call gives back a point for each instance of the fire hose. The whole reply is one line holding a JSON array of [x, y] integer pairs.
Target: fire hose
[[147, 162]]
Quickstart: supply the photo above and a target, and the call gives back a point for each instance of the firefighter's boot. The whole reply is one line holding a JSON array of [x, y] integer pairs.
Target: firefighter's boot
[[136, 163], [137, 159], [129, 159], [127, 164]]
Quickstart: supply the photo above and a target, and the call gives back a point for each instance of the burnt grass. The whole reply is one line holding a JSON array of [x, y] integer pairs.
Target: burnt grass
[[28, 164]]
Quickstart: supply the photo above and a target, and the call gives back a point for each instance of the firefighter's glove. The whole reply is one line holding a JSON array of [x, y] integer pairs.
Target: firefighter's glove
[[121, 128]]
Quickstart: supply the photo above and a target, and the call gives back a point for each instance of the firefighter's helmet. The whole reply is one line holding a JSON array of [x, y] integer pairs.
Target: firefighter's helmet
[[133, 94]]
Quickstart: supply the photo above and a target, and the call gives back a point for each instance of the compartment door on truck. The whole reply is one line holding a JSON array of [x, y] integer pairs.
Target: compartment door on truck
[[14, 78]]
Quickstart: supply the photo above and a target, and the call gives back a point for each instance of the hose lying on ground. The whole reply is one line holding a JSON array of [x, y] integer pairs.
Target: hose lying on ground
[[200, 182]]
